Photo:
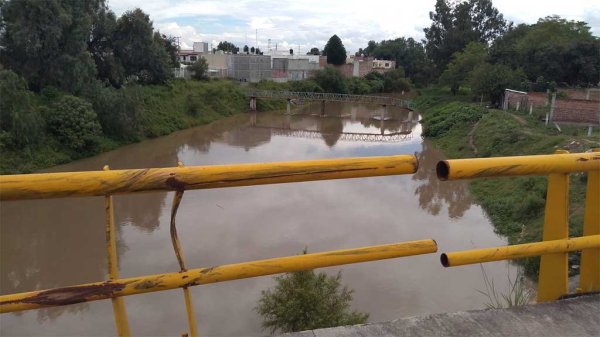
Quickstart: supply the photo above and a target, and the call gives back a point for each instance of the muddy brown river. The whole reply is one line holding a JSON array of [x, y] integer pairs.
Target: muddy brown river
[[61, 242]]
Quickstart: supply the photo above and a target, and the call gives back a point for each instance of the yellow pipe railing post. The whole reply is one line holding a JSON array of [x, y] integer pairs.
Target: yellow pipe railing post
[[590, 258], [189, 306], [118, 303], [553, 279]]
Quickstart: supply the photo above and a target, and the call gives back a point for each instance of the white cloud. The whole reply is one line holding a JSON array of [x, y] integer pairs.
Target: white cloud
[[309, 23]]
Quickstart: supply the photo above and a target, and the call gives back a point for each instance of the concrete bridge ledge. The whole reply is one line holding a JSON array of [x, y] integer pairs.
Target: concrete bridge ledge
[[579, 316]]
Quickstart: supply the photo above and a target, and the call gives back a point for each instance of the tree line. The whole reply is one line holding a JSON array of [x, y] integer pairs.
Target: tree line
[[470, 43]]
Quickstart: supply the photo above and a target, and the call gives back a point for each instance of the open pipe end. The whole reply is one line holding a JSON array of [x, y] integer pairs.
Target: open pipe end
[[444, 260], [443, 170]]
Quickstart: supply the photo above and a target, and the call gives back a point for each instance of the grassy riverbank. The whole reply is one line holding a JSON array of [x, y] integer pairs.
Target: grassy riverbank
[[159, 110], [515, 205]]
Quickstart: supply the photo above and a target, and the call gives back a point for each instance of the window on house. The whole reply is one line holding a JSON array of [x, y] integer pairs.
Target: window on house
[[193, 58], [387, 64]]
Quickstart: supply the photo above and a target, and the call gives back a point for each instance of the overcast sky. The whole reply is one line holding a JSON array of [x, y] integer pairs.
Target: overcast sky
[[309, 23]]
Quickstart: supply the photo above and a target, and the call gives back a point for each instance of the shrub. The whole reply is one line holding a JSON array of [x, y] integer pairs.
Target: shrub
[[331, 80], [305, 300], [200, 69], [119, 111], [445, 117], [74, 123]]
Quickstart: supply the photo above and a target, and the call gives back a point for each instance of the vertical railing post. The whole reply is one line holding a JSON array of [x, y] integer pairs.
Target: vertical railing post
[[553, 277], [590, 258], [118, 303], [179, 254]]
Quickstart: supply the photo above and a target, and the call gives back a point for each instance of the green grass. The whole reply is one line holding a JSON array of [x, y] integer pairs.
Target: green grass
[[515, 206]]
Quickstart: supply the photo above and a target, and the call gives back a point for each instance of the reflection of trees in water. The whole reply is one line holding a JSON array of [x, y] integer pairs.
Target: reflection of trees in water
[[331, 130], [433, 193], [390, 125]]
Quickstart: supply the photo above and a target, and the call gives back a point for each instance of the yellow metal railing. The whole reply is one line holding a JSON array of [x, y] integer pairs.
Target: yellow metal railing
[[553, 275], [554, 248], [108, 182]]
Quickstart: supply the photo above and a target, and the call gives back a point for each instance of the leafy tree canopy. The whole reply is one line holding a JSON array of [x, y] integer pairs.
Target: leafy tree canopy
[[455, 25], [335, 51], [408, 54], [314, 51], [557, 49], [227, 47], [462, 64]]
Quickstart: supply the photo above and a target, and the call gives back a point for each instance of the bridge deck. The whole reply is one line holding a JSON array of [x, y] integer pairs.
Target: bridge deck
[[578, 316]]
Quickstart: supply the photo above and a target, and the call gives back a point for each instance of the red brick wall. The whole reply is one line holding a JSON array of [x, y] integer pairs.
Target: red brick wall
[[565, 110]]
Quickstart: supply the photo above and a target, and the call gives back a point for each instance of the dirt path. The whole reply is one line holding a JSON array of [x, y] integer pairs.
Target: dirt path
[[472, 138]]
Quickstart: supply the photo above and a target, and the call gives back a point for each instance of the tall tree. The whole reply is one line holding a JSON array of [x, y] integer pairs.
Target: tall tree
[[100, 46], [227, 47], [314, 51], [46, 42], [462, 64], [408, 54], [454, 26], [335, 51], [554, 48], [141, 52]]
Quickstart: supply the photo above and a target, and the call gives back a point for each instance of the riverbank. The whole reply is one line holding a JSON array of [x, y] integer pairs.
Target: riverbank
[[128, 115], [515, 205]]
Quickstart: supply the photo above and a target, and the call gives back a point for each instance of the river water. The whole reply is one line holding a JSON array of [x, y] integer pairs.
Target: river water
[[60, 242]]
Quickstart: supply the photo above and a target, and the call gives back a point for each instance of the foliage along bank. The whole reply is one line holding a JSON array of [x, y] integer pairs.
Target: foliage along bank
[[516, 205], [55, 127]]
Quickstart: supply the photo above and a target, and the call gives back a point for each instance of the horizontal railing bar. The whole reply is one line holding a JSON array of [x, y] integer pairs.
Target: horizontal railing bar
[[517, 166], [100, 183], [519, 251], [159, 282]]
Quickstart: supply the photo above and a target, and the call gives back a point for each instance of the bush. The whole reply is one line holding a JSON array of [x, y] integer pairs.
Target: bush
[[200, 69], [74, 123], [119, 111], [443, 118], [305, 86], [331, 80], [305, 300]]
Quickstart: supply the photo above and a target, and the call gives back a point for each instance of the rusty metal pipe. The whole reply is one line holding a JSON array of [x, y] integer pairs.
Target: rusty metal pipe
[[519, 251], [159, 282], [99, 183], [517, 166]]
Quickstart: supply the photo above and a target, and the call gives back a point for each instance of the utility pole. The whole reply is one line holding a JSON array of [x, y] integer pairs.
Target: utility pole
[[256, 38]]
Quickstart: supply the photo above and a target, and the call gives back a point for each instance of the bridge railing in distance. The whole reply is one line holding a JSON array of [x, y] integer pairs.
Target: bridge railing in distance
[[553, 274], [179, 179], [320, 96]]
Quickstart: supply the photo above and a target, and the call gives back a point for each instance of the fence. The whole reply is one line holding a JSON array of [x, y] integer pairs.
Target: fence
[[556, 244], [179, 179], [553, 275], [572, 110]]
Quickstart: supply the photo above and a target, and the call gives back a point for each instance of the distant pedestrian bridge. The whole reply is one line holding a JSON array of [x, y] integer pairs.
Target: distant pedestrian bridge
[[326, 97]]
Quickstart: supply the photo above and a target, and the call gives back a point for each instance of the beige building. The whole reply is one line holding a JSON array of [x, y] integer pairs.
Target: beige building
[[217, 64]]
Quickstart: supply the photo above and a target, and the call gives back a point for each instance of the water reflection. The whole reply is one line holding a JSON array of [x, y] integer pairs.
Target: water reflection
[[433, 193]]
